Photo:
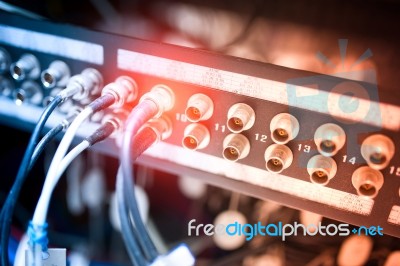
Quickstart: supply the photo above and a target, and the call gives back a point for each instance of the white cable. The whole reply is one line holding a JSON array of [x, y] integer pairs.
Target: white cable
[[50, 184], [39, 217]]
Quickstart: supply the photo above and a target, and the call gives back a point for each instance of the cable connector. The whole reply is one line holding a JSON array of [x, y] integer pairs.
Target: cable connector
[[89, 82], [57, 74], [162, 126], [124, 89], [72, 114], [181, 255], [37, 243], [162, 96], [117, 117]]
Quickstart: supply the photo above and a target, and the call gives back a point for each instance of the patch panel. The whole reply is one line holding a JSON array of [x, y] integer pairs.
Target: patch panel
[[246, 126]]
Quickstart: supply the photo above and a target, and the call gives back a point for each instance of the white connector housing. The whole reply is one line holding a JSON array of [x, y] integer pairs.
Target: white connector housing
[[124, 90], [26, 67], [195, 137], [57, 74], [89, 82], [367, 181], [321, 169], [240, 117], [329, 139], [199, 107], [30, 92], [162, 96], [278, 157], [284, 127], [235, 147], [377, 150]]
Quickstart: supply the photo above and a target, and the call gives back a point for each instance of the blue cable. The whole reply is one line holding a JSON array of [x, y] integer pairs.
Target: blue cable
[[9, 206]]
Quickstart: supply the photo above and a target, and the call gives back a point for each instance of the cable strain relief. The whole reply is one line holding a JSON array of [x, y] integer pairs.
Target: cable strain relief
[[38, 235], [162, 96], [102, 102], [101, 133]]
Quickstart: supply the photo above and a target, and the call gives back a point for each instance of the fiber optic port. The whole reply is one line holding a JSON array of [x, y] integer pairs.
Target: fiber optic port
[[367, 181], [26, 67], [377, 150], [329, 138], [30, 92], [240, 117], [278, 157], [57, 74], [195, 137], [284, 127], [235, 147], [321, 169], [199, 107]]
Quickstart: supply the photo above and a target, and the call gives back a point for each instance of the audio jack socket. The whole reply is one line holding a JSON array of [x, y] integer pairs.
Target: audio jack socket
[[235, 147]]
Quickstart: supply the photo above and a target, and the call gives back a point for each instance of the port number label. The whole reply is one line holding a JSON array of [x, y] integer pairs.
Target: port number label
[[394, 170], [305, 148], [260, 137], [352, 160], [219, 127], [181, 117]]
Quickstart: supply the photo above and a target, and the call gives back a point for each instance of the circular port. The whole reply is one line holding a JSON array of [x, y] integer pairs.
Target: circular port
[[231, 153], [26, 67], [196, 136], [377, 158], [193, 114], [19, 97], [284, 127], [377, 150], [319, 177], [199, 107], [367, 181], [327, 146], [274, 165], [240, 117], [278, 157], [235, 147], [48, 80], [17, 73], [235, 124], [367, 190], [321, 169], [280, 135], [190, 142], [329, 139]]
